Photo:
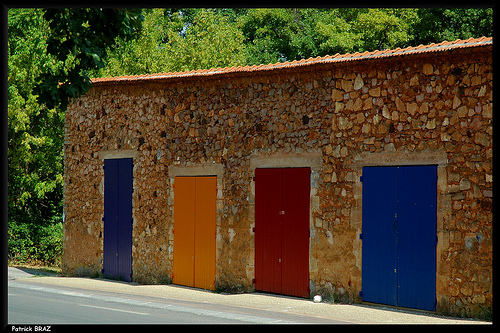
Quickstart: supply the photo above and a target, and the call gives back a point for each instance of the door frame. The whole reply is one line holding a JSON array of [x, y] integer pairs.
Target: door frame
[[305, 159], [196, 233], [400, 235], [443, 204], [109, 154], [197, 170]]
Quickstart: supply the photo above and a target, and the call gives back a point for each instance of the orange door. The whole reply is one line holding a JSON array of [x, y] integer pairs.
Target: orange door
[[205, 233], [195, 231], [184, 215]]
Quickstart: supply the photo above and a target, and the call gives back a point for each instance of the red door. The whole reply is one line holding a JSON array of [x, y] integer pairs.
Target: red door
[[268, 230], [295, 188], [282, 231]]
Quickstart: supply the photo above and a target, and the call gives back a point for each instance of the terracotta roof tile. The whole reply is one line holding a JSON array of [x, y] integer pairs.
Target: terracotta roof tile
[[444, 46]]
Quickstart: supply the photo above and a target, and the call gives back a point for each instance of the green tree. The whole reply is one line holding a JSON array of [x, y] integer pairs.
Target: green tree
[[384, 28], [273, 35], [35, 137], [78, 39], [365, 29], [210, 41], [42, 54], [335, 33], [438, 24], [304, 40], [141, 55], [174, 40], [268, 34]]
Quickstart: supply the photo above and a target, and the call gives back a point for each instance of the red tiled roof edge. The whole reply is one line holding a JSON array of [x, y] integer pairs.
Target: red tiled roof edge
[[440, 47]]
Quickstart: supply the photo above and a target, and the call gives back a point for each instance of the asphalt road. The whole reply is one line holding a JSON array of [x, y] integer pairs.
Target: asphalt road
[[38, 300], [32, 303]]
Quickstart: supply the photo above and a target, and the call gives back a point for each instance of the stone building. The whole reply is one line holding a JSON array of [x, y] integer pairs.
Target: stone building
[[364, 177]]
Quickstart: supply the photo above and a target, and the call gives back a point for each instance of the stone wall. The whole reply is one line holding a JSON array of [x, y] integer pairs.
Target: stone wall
[[428, 108]]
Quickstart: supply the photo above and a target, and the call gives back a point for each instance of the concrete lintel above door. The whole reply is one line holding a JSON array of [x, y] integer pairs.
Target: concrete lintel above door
[[118, 153], [196, 170], [313, 160]]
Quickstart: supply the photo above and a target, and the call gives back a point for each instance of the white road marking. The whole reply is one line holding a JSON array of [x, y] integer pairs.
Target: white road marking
[[112, 309]]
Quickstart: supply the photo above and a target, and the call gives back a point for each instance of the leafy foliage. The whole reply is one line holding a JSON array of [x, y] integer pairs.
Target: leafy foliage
[[78, 39], [143, 54], [384, 28], [438, 24], [35, 133], [268, 34], [41, 54], [208, 41], [174, 41]]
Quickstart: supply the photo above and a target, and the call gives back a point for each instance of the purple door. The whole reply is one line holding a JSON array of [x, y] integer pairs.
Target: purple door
[[117, 249]]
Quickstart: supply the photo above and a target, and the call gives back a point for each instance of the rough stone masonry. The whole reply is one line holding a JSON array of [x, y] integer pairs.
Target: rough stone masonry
[[336, 117]]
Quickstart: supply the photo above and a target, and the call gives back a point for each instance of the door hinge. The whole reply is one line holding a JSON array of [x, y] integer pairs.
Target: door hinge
[[360, 236], [253, 178], [253, 229], [253, 281], [361, 293], [361, 179]]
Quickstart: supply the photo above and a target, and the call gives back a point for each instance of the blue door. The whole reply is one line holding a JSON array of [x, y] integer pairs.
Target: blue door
[[399, 236], [117, 258], [379, 250], [416, 221]]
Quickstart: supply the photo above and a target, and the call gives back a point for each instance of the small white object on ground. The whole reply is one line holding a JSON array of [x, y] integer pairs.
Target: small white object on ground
[[317, 299]]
